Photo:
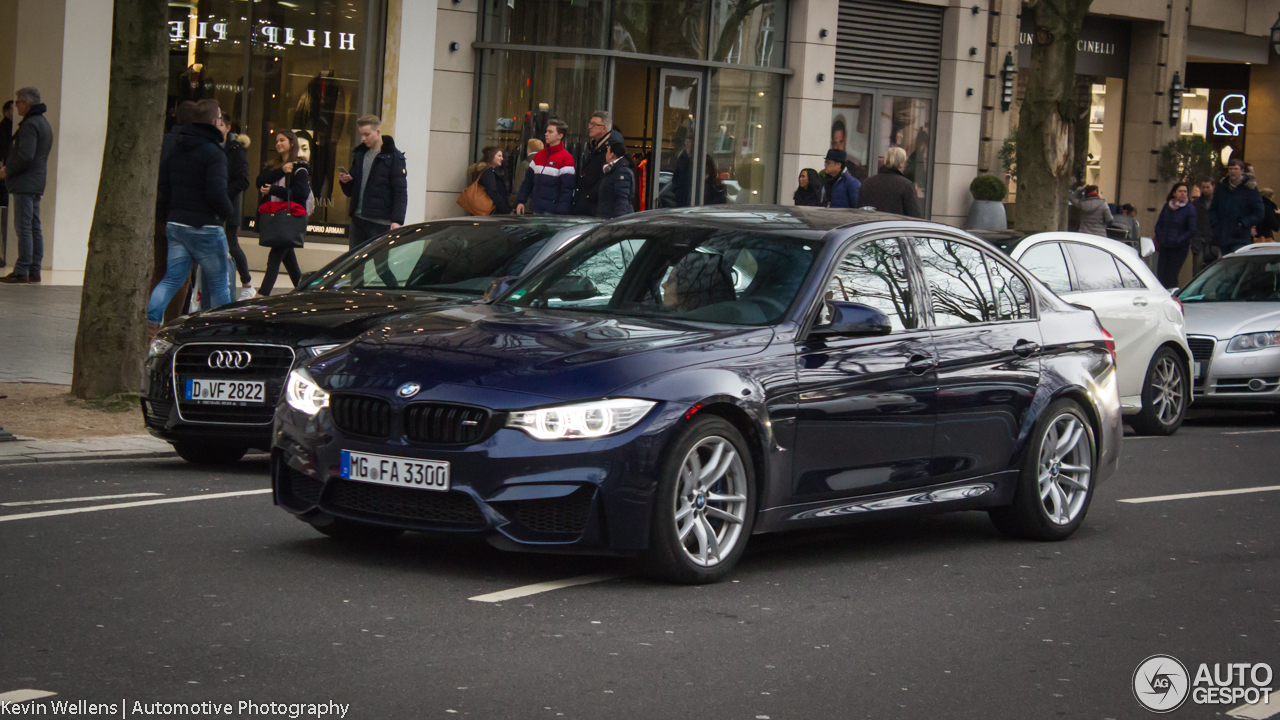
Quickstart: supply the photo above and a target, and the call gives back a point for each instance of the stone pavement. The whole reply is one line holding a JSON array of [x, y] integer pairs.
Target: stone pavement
[[119, 447], [38, 327]]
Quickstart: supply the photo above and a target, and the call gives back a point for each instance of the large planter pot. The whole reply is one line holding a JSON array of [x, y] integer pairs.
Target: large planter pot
[[986, 215]]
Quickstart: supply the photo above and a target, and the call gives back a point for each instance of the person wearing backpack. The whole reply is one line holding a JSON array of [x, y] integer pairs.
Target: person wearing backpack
[[284, 179]]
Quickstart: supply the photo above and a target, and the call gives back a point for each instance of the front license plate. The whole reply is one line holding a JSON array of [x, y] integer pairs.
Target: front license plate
[[247, 392], [1196, 369], [403, 472]]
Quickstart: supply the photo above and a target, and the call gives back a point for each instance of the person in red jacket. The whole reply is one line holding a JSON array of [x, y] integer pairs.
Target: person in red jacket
[[548, 183]]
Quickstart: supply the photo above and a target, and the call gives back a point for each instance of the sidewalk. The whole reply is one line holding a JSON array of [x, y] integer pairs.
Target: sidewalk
[[119, 447], [38, 324]]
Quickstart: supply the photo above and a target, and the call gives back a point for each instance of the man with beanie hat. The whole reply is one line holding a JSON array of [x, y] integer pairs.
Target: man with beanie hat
[[844, 188]]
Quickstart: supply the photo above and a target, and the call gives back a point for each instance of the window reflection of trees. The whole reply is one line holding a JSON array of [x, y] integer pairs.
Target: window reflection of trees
[[875, 274], [1013, 298], [958, 282]]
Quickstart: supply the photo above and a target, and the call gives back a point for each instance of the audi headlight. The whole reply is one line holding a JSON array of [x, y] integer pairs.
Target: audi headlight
[[304, 395], [158, 347], [583, 420], [1254, 341]]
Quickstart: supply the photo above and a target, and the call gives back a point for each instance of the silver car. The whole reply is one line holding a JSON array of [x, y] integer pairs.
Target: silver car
[[1233, 328]]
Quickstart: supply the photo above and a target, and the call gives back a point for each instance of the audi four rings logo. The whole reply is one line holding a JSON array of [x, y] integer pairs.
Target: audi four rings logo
[[230, 359]]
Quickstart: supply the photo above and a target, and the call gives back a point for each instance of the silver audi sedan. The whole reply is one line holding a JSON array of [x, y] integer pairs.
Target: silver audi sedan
[[1233, 329]]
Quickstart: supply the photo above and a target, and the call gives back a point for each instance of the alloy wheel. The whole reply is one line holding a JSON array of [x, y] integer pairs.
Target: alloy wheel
[[1167, 386], [711, 501], [1066, 462]]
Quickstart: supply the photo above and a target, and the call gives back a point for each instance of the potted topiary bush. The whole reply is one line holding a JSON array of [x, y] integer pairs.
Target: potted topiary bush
[[987, 210]]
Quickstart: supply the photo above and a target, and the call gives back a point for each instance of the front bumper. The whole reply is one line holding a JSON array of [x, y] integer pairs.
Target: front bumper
[[591, 496], [1246, 378]]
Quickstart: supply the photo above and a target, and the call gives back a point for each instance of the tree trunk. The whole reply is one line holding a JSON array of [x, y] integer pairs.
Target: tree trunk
[[110, 340], [1047, 120]]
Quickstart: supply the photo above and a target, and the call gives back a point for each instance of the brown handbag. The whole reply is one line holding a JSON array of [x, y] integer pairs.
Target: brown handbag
[[475, 200]]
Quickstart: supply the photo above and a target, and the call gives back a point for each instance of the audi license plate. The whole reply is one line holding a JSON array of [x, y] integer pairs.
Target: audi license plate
[[403, 472], [226, 392]]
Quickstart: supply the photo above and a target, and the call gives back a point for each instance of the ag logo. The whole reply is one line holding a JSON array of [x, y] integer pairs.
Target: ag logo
[[1161, 683]]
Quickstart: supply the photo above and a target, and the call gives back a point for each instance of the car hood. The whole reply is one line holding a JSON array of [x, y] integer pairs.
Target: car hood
[[546, 353], [1225, 320], [320, 315]]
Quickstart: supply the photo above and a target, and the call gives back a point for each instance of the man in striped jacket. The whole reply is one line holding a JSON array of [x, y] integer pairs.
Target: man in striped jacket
[[548, 183]]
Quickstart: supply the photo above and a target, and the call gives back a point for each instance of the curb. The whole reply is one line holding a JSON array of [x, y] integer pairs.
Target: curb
[[89, 456]]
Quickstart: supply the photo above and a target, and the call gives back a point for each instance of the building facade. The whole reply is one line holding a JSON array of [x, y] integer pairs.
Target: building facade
[[719, 100]]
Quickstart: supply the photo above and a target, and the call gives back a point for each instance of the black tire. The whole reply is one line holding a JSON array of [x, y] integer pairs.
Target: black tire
[[358, 533], [1028, 517], [667, 557], [1167, 369], [210, 454]]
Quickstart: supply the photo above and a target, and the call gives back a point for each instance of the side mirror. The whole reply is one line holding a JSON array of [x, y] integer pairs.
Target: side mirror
[[851, 319], [573, 287], [499, 287]]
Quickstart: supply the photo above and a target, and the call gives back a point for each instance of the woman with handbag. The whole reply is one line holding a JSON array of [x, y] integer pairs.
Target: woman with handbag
[[286, 190], [1174, 229], [488, 194]]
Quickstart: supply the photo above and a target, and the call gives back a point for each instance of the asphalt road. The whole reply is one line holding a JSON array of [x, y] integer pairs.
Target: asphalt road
[[231, 599]]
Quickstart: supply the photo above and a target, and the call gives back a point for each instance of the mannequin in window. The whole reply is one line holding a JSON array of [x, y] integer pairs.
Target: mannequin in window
[[322, 113]]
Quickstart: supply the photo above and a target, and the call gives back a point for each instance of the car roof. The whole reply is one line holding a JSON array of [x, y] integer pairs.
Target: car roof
[[1122, 251], [558, 221], [1258, 249], [803, 222]]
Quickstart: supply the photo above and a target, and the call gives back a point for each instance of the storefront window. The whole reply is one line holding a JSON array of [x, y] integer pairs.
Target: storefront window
[[675, 28], [745, 118], [313, 66], [748, 32], [904, 123], [851, 129], [551, 23], [521, 91]]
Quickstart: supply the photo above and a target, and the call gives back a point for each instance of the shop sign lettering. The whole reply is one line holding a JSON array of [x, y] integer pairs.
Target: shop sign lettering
[[180, 30], [1085, 46]]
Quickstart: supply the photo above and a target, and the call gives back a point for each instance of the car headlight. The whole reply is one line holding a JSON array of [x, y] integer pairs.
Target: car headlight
[[158, 347], [582, 420], [1253, 341], [303, 394], [318, 350]]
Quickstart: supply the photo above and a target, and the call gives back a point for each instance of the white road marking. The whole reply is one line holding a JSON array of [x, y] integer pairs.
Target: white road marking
[[79, 499], [1251, 432], [1187, 496], [140, 503], [17, 696], [1256, 711], [542, 587]]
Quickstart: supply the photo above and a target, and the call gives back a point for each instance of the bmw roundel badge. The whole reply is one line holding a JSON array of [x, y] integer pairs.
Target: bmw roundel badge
[[408, 389]]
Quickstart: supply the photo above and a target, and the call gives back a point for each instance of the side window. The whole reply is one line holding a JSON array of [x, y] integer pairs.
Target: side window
[[874, 273], [1013, 297], [596, 278], [1046, 262], [1095, 269], [959, 286], [1129, 277]]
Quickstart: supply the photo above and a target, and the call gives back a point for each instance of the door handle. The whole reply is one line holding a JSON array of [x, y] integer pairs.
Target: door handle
[[1140, 301], [1025, 348], [921, 364]]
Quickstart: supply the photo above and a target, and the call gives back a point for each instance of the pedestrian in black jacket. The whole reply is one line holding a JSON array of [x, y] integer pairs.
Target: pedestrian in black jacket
[[1175, 228], [193, 192], [376, 183], [617, 183], [809, 193], [284, 179], [6, 135], [889, 190], [1202, 245], [25, 172], [237, 183], [1236, 209], [590, 165], [492, 181]]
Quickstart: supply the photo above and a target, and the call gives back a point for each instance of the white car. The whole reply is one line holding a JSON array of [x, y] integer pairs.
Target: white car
[[1152, 356], [1233, 325]]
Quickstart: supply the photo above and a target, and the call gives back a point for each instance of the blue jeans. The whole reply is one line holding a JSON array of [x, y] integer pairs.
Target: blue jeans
[[26, 220], [207, 246]]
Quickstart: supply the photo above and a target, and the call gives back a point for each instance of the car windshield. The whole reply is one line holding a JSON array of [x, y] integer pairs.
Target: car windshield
[[454, 258], [1252, 278], [690, 273]]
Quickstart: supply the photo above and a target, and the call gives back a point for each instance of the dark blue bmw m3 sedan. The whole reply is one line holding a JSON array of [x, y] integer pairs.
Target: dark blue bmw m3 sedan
[[680, 380]]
